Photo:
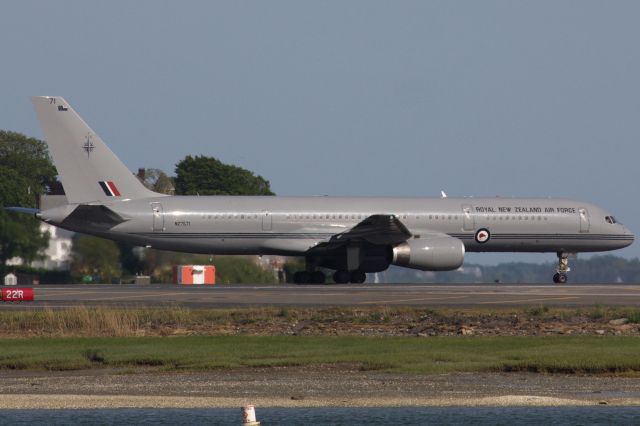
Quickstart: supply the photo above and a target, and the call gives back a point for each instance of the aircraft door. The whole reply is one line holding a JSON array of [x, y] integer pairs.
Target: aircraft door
[[267, 221], [158, 217], [468, 222], [584, 219]]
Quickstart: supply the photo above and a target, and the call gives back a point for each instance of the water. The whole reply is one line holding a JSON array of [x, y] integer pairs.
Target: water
[[332, 416]]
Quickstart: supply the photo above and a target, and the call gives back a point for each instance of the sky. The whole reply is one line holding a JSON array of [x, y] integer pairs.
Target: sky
[[404, 98]]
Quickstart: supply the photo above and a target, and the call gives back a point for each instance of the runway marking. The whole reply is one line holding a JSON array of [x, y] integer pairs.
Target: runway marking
[[107, 298], [73, 293], [527, 300], [323, 294], [411, 300]]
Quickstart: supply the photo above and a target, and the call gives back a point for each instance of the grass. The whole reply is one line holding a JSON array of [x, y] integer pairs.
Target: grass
[[178, 338], [84, 321], [566, 354]]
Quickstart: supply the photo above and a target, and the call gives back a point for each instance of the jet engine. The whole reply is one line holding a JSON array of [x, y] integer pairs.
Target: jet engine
[[437, 253]]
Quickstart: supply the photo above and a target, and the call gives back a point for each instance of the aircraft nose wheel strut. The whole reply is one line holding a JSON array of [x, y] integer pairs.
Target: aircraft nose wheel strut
[[560, 277]]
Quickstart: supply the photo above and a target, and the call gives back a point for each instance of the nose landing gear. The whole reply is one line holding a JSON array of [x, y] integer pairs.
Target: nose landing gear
[[560, 276]]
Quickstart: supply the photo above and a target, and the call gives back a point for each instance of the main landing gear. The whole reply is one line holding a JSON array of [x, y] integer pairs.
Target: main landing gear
[[309, 277], [339, 277], [344, 277], [560, 276]]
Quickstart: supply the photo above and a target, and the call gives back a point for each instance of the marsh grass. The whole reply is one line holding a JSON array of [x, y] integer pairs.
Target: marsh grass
[[560, 354]]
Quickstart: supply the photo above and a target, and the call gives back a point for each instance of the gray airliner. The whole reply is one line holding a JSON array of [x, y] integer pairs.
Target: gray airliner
[[349, 235]]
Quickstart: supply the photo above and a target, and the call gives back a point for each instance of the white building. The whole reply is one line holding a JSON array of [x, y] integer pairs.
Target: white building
[[57, 255]]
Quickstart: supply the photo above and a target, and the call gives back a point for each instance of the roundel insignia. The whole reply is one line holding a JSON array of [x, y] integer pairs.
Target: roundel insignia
[[482, 235]]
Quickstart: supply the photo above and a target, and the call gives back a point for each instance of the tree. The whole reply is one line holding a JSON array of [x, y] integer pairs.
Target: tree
[[25, 171], [209, 176], [95, 256], [19, 233], [29, 158], [237, 269], [158, 181]]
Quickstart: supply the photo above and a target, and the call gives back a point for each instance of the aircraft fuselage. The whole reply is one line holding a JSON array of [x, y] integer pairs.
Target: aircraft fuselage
[[291, 225]]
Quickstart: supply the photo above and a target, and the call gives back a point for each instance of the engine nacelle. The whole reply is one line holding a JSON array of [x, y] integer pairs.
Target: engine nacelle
[[439, 253]]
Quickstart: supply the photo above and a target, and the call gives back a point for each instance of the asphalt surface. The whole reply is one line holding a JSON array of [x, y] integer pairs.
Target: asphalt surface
[[332, 295]]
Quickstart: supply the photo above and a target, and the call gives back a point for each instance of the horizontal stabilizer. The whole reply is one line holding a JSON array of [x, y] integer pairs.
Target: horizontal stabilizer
[[26, 210], [96, 217]]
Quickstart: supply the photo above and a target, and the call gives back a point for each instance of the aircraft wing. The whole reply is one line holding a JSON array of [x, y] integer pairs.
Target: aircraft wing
[[378, 229]]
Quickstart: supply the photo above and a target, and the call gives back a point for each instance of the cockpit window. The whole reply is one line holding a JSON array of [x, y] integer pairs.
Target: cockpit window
[[610, 219]]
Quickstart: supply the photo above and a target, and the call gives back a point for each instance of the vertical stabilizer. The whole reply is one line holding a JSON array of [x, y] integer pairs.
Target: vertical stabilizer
[[88, 169]]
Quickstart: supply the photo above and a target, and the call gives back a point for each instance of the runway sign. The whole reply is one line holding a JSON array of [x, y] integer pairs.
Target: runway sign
[[17, 294]]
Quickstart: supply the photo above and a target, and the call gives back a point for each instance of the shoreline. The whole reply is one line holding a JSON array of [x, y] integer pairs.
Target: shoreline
[[299, 387], [50, 402]]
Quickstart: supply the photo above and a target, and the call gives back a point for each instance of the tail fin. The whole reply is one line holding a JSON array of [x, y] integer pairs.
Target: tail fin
[[88, 169]]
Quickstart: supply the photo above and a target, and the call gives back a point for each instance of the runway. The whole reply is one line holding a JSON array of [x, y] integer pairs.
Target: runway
[[427, 295]]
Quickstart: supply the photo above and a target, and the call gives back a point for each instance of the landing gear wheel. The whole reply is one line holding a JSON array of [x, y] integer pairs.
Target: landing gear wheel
[[358, 277], [560, 278], [341, 277], [301, 277], [318, 277]]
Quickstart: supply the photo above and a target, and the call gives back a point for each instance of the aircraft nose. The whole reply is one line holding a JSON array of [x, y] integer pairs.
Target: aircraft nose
[[629, 237]]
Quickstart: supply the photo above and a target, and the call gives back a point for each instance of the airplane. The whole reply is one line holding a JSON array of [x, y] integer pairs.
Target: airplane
[[352, 236]]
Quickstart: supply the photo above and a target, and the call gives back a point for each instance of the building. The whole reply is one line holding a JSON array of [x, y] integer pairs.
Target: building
[[57, 256]]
